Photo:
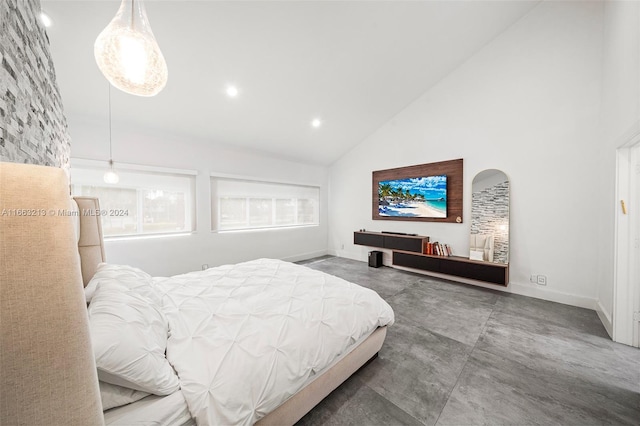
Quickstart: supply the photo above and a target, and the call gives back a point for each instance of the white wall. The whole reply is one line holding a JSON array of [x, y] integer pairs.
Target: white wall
[[620, 121], [527, 104], [178, 254]]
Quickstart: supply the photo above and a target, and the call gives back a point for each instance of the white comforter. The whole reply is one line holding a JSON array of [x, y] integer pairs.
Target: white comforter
[[245, 337]]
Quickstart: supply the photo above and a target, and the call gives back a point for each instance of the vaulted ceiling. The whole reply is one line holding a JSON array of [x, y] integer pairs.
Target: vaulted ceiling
[[354, 64]]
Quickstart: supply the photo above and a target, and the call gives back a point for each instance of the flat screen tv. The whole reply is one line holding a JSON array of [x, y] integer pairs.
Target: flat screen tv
[[425, 192], [421, 196]]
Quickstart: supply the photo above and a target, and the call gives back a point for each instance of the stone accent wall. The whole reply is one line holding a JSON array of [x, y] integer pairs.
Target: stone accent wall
[[490, 211], [33, 128]]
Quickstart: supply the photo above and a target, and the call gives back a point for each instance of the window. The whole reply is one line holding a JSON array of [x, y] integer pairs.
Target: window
[[245, 204], [145, 201]]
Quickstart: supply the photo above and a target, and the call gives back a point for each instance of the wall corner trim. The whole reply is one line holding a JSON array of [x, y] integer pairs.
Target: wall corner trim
[[605, 318]]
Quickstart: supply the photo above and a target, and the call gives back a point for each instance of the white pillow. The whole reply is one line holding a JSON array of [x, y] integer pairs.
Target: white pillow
[[129, 334], [129, 276], [115, 396]]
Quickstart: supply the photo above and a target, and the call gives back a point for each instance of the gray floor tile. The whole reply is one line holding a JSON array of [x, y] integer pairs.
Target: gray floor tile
[[315, 260], [458, 318], [416, 370], [552, 348], [367, 407], [629, 359], [449, 290], [328, 408], [495, 390], [385, 281], [357, 404], [549, 312], [465, 355]]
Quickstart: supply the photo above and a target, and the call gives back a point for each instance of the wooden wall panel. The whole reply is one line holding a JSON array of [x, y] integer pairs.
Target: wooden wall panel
[[452, 168]]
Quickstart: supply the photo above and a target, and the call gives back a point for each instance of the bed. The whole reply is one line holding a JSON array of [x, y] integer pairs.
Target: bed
[[243, 346], [225, 306]]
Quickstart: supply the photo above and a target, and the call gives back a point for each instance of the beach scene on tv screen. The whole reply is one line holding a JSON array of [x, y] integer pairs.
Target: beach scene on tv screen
[[413, 197]]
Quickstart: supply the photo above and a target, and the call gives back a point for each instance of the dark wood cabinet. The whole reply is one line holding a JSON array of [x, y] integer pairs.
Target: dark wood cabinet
[[408, 251], [370, 239], [494, 273], [414, 243]]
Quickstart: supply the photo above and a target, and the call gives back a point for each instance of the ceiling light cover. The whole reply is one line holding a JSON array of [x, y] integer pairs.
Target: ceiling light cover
[[110, 176], [232, 91], [127, 52]]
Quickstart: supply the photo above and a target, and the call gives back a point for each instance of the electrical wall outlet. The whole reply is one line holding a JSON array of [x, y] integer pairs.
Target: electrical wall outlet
[[533, 279], [542, 280], [342, 246], [205, 266]]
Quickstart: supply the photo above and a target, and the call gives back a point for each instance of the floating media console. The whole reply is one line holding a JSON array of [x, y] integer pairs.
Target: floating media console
[[409, 251], [393, 241]]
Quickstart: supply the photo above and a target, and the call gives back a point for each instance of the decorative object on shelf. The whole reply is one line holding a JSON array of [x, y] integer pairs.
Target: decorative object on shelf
[[476, 255], [425, 192], [127, 52], [490, 216], [483, 244], [110, 176]]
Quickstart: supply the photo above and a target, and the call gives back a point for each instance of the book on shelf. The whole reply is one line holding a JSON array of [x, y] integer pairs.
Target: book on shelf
[[428, 248], [438, 249]]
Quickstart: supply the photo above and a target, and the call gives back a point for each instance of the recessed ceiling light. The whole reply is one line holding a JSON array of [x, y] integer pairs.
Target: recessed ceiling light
[[316, 122], [45, 19], [232, 91]]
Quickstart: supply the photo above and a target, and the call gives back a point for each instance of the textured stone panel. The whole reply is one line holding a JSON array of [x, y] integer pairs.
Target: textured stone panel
[[33, 128], [489, 213]]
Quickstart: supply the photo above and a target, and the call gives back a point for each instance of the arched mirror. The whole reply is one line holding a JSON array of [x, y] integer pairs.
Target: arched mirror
[[489, 240]]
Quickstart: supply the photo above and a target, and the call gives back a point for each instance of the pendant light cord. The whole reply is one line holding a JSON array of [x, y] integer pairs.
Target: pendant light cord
[[132, 13], [110, 150]]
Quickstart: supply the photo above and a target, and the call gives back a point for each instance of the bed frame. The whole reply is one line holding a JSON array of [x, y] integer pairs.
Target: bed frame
[[91, 249]]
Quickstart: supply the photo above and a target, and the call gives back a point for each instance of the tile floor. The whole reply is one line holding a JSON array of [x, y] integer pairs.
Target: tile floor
[[464, 355]]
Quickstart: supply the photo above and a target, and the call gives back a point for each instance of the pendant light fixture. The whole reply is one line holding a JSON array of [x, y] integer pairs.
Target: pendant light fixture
[[127, 52], [110, 176]]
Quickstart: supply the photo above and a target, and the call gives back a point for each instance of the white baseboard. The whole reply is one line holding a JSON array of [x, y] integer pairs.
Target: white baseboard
[[521, 289], [530, 290], [305, 256], [334, 252], [605, 318], [353, 255], [546, 293]]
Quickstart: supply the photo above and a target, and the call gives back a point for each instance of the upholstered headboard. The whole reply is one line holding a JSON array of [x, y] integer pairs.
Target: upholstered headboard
[[48, 367], [90, 241]]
